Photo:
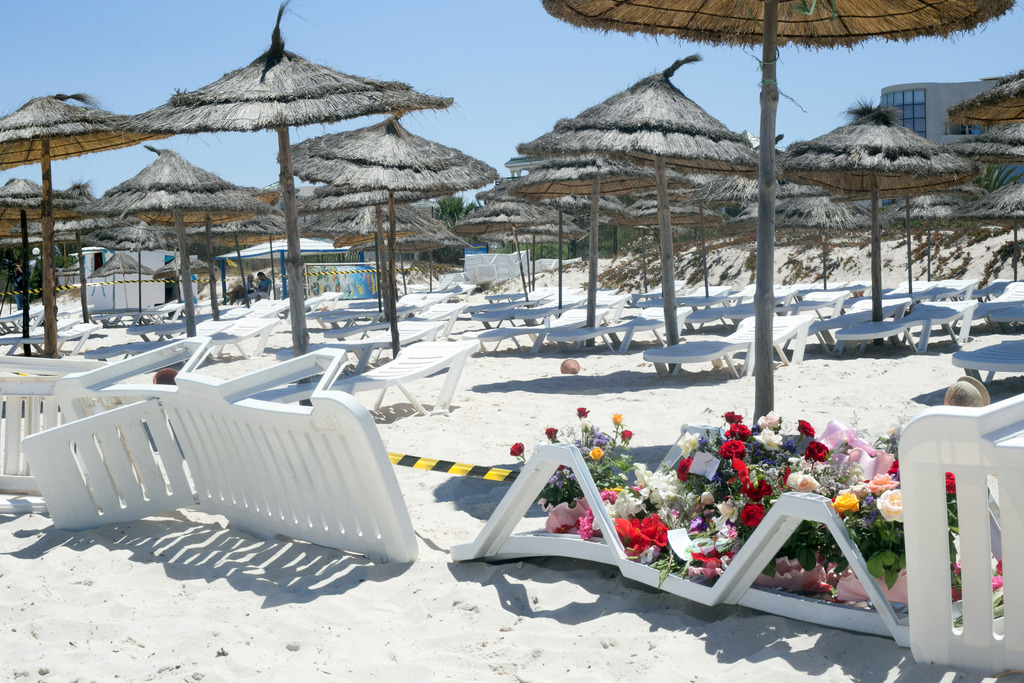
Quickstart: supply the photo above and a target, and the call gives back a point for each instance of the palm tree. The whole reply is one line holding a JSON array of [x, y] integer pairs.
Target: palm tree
[[995, 177], [448, 210]]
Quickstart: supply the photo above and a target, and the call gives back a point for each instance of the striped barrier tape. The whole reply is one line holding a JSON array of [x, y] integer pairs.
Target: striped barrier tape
[[456, 468]]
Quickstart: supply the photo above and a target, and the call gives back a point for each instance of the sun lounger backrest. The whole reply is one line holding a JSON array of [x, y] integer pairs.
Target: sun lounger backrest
[[980, 447], [318, 474]]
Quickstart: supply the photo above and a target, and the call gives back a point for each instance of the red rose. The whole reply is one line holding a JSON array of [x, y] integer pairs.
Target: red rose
[[627, 435], [732, 418], [805, 428], [517, 450], [551, 433], [654, 531], [683, 471], [950, 484], [582, 413], [816, 452], [741, 471], [895, 469], [756, 492], [752, 514], [738, 431], [732, 449]]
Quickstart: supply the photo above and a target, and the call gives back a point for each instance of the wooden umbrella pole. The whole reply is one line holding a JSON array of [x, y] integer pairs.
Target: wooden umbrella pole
[[595, 199], [522, 272], [214, 308], [49, 286], [430, 272], [876, 255], [83, 292], [824, 261], [559, 258], [26, 349], [764, 296], [643, 257], [378, 243], [241, 271], [273, 275], [703, 251], [910, 253], [405, 287], [140, 281], [1016, 251], [668, 274], [185, 274], [392, 285], [928, 248], [293, 260], [533, 267]]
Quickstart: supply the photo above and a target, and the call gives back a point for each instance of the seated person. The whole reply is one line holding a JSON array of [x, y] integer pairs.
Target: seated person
[[263, 284], [242, 290]]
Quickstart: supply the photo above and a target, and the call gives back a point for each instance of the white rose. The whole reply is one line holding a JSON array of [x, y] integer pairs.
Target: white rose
[[890, 504], [707, 498], [769, 421], [688, 443], [804, 483], [769, 440]]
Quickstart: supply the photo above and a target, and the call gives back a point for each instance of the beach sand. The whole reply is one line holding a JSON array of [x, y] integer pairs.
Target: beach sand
[[182, 598]]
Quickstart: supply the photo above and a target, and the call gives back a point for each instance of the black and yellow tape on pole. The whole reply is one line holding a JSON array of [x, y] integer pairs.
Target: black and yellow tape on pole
[[456, 468]]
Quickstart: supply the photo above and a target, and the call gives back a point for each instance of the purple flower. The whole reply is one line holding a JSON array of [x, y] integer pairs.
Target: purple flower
[[789, 446], [698, 525]]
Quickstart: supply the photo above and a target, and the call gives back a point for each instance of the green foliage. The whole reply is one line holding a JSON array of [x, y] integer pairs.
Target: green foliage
[[995, 177], [449, 210]]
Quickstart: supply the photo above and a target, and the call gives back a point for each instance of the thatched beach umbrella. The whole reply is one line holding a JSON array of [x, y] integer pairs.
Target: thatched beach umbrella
[[875, 156], [822, 212], [248, 231], [652, 123], [387, 157], [643, 214], [171, 191], [176, 267], [1003, 103], [771, 24], [587, 175], [128, 234], [59, 127], [1005, 205], [280, 89], [122, 264], [22, 201], [928, 208]]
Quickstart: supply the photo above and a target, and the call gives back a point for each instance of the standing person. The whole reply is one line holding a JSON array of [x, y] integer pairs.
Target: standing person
[[19, 286]]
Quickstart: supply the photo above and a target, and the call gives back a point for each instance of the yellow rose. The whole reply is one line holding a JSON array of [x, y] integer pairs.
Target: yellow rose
[[846, 502], [596, 454], [617, 419]]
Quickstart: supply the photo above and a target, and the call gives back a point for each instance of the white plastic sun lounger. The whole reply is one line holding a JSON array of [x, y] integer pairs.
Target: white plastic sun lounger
[[448, 313], [923, 316], [319, 474], [364, 349], [67, 332], [1011, 300], [667, 361], [569, 320], [11, 322], [1007, 356], [498, 541], [831, 302], [620, 335], [243, 330]]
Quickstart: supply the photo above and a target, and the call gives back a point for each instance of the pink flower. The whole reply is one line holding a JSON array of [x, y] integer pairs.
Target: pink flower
[[880, 483], [997, 582]]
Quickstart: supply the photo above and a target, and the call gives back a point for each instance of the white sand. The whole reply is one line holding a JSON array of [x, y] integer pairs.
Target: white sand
[[180, 598]]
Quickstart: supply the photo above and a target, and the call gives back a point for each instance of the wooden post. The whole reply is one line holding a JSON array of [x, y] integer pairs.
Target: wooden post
[[273, 275], [83, 291], [559, 262], [876, 255], [824, 261], [378, 243], [764, 294], [703, 251], [533, 266], [214, 308], [293, 261], [928, 247], [668, 261], [241, 271], [910, 253], [1016, 251], [140, 280], [49, 286], [26, 349], [522, 273], [405, 287], [643, 256], [595, 199], [392, 285], [185, 275]]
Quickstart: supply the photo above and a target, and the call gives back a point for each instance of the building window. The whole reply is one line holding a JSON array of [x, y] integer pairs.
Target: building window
[[910, 104]]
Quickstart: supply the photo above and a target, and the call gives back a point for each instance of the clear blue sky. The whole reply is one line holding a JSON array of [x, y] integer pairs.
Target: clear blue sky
[[512, 69]]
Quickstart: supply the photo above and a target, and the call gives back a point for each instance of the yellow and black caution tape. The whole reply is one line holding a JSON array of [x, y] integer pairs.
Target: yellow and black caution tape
[[456, 468], [78, 285]]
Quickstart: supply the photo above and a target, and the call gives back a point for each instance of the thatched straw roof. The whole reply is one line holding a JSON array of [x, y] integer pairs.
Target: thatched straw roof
[[651, 118], [719, 190], [816, 24], [257, 227], [121, 264], [1003, 103], [358, 226], [35, 233], [171, 268], [386, 156], [1005, 204], [607, 206], [279, 89], [170, 185], [811, 212], [1000, 145], [643, 213], [875, 147], [18, 194], [137, 237], [71, 123], [941, 206], [502, 212], [328, 198], [566, 176], [417, 242]]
